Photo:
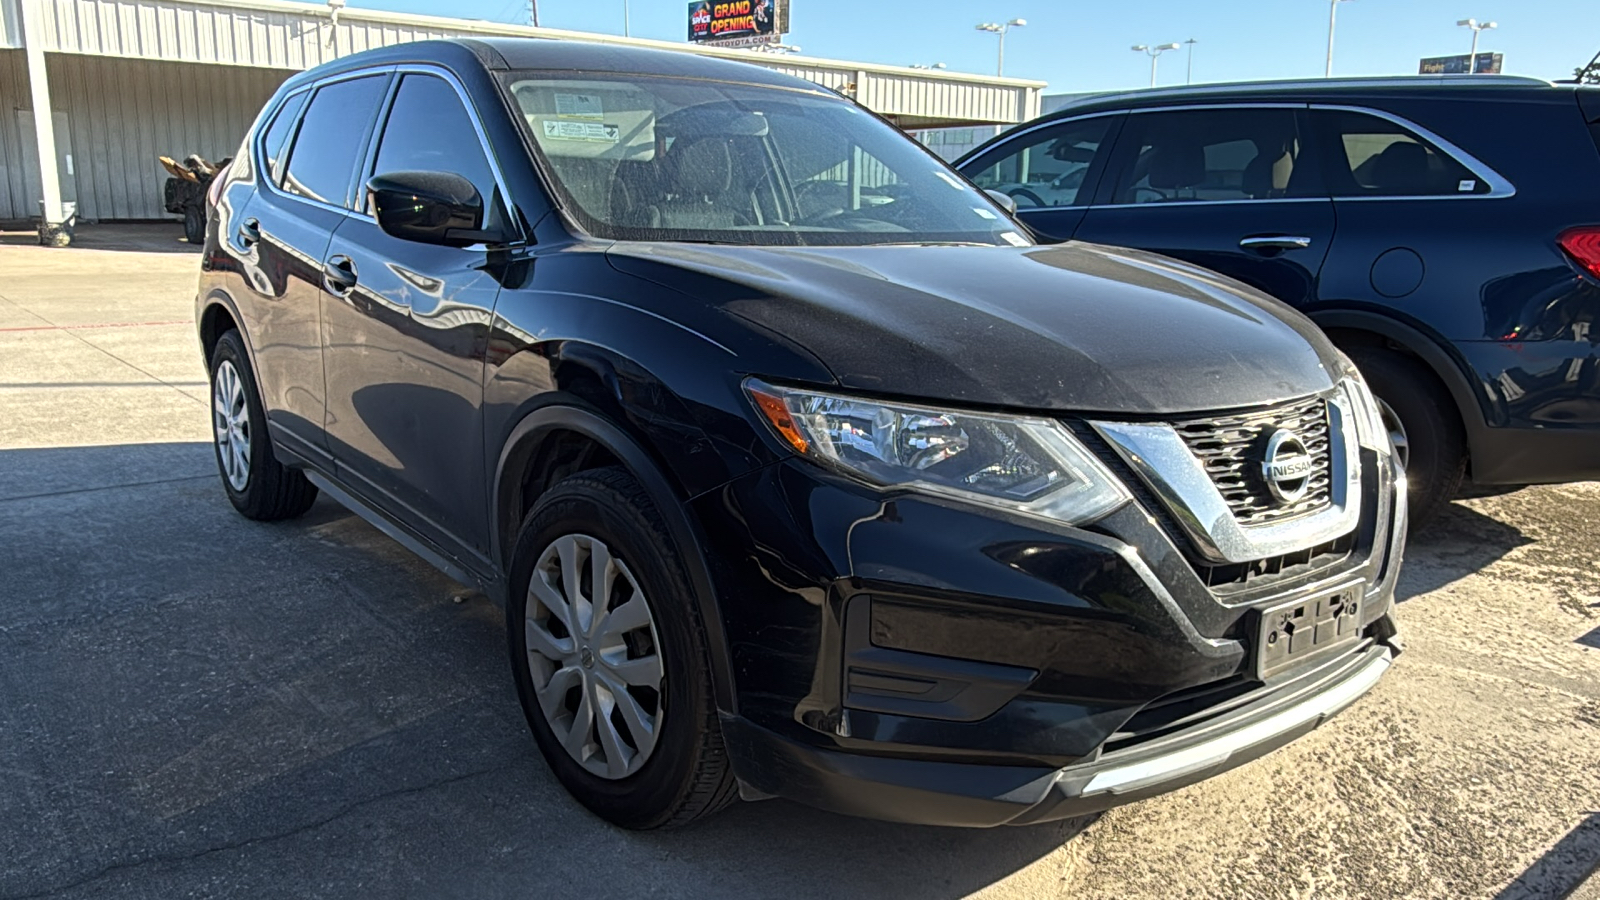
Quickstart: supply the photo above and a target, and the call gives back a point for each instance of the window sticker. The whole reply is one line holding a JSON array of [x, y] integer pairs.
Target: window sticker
[[951, 180], [579, 106], [1467, 185], [1014, 239], [590, 132], [984, 212]]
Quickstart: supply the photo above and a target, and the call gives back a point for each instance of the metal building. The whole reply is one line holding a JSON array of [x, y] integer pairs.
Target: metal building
[[128, 80]]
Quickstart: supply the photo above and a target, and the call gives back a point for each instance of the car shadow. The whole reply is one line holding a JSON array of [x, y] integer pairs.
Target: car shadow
[[1573, 862], [305, 708], [1457, 543]]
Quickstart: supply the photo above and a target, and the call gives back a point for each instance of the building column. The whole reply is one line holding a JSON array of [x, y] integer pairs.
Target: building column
[[51, 230]]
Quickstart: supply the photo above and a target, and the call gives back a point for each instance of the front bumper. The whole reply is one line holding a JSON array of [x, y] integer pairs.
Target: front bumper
[[941, 793], [909, 658]]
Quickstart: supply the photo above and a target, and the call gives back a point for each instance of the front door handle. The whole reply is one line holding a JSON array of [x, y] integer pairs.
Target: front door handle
[[339, 275], [249, 233], [1275, 242]]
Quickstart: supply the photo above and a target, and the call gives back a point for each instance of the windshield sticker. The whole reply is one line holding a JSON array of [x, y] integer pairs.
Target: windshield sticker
[[951, 180], [1014, 239], [1467, 185], [579, 106], [591, 132], [984, 212]]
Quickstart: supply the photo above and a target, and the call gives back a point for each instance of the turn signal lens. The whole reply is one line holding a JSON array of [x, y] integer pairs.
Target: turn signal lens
[[777, 413], [1583, 245]]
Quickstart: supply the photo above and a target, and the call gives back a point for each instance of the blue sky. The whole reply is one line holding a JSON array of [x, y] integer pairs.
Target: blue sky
[[1082, 45]]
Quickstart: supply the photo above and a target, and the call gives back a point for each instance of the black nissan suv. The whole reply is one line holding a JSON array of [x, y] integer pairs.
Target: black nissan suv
[[798, 467], [1444, 231]]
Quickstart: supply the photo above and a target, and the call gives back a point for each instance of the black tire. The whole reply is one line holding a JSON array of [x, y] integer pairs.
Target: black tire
[[194, 226], [271, 490], [1437, 455], [687, 776]]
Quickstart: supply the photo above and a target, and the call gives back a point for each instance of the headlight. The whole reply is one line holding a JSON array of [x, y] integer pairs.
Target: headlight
[[1370, 430], [1032, 466]]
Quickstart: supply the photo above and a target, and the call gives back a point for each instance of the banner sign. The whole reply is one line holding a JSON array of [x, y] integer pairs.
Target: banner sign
[[737, 21], [1488, 64]]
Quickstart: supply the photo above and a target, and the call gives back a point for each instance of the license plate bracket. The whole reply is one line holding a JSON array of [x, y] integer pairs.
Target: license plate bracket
[[1294, 631]]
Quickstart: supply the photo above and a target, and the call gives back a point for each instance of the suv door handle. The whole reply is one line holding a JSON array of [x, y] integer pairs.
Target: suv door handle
[[339, 275], [1275, 242], [249, 233]]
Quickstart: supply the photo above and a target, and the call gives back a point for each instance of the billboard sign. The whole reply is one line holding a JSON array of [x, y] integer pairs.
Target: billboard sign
[[738, 22], [1488, 64]]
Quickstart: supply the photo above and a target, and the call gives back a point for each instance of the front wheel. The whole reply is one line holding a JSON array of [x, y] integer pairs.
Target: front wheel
[[610, 657], [1422, 425], [257, 484]]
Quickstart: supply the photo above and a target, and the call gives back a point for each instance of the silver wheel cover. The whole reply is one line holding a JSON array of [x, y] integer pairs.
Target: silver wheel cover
[[594, 656], [230, 421], [1397, 433]]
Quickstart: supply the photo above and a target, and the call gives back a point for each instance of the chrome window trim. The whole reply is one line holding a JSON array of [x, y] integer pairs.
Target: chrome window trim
[[1197, 203], [1499, 187], [1156, 452], [313, 87]]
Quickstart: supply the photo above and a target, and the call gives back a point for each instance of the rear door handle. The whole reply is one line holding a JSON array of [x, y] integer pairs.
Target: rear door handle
[[249, 233], [339, 275], [1275, 242]]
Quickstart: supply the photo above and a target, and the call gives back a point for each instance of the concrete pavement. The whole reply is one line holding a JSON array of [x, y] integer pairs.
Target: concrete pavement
[[192, 704]]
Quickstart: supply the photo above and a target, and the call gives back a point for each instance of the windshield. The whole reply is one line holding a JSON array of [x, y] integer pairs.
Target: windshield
[[665, 159]]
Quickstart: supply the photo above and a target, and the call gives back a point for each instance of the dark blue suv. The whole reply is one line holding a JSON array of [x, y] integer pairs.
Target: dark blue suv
[[1441, 231]]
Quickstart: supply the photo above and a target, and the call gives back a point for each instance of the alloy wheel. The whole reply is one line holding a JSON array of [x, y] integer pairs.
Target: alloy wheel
[[230, 420], [594, 656], [1397, 432]]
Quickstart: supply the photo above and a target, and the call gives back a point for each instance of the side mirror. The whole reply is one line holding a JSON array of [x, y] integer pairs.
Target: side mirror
[[1006, 201], [429, 208]]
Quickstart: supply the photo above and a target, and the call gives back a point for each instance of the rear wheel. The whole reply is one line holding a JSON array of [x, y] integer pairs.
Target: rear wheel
[[610, 658], [194, 225], [1422, 424], [257, 484]]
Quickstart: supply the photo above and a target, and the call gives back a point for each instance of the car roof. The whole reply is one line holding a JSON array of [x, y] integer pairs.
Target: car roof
[[549, 54], [1315, 90]]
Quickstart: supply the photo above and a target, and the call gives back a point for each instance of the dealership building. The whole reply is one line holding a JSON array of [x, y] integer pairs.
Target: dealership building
[[127, 81]]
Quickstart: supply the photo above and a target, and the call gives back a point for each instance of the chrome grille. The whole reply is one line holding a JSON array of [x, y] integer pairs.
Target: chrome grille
[[1232, 447]]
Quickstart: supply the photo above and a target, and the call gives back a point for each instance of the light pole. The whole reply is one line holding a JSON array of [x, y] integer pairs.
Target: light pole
[[1001, 29], [1188, 78], [627, 20], [1154, 53], [1477, 28], [1333, 14]]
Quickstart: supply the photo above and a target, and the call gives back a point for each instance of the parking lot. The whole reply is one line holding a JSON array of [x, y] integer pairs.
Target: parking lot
[[193, 704]]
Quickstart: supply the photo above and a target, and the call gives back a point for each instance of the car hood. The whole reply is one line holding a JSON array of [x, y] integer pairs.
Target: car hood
[[1068, 327]]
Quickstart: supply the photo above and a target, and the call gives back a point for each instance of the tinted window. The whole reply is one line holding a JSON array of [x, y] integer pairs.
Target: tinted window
[[272, 143], [1210, 155], [1372, 156], [429, 130], [325, 149], [1048, 167], [666, 159]]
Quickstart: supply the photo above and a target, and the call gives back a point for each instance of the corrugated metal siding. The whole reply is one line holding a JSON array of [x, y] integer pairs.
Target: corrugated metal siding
[[123, 114]]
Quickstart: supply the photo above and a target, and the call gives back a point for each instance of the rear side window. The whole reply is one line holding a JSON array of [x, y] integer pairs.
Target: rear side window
[[323, 160], [1370, 156], [275, 141], [430, 130], [1210, 155], [1048, 167]]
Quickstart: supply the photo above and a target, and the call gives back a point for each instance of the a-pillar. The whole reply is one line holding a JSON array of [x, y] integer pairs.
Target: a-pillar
[[54, 231]]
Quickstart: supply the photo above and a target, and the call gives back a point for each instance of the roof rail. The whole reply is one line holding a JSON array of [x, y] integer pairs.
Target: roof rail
[[1301, 84]]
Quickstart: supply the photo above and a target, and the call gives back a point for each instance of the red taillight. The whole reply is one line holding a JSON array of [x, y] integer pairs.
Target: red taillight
[[1583, 245]]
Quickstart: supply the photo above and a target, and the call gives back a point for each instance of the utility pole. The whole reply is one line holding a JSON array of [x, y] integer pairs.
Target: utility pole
[[533, 13], [627, 20], [1333, 14], [1189, 77]]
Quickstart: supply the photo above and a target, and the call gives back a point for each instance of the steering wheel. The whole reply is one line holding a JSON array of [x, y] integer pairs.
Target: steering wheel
[[1020, 194], [1160, 196]]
